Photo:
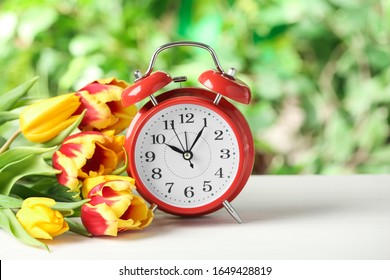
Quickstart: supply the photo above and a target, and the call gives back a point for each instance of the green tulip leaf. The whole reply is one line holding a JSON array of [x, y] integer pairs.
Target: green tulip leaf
[[8, 99], [16, 154], [66, 132], [30, 165], [26, 190], [10, 202], [62, 206], [77, 227], [7, 116], [10, 223], [66, 213], [43, 187]]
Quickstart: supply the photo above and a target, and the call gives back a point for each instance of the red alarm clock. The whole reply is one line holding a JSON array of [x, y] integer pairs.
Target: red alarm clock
[[190, 150]]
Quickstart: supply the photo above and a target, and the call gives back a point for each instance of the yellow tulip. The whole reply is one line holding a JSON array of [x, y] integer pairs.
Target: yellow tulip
[[45, 119], [39, 220]]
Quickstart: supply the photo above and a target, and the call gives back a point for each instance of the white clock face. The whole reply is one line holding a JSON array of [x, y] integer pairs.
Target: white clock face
[[187, 155]]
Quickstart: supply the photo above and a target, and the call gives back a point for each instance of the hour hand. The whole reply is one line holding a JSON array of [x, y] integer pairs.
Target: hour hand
[[187, 155], [175, 149]]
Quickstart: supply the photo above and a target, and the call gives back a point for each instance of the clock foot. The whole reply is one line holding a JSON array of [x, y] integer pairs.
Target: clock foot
[[231, 211], [153, 207]]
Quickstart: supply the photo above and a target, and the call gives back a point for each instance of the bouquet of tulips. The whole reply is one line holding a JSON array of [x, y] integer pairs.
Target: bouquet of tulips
[[63, 169]]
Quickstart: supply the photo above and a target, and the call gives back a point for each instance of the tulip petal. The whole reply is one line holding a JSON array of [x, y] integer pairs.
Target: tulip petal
[[40, 233], [91, 182], [107, 93], [123, 115], [45, 119], [39, 220], [86, 138], [99, 219], [32, 115], [30, 202], [88, 154], [98, 113], [68, 176], [113, 207], [115, 194], [102, 161], [47, 131], [116, 144], [137, 216], [105, 111], [109, 89], [130, 224], [78, 153], [113, 81]]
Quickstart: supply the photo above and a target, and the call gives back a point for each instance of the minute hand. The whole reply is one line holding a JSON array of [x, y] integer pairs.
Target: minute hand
[[197, 138]]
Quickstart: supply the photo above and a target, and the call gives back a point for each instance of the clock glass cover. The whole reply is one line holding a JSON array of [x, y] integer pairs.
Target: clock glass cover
[[187, 155]]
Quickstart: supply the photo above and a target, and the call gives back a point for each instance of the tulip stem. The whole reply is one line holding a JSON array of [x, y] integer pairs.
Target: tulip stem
[[9, 141]]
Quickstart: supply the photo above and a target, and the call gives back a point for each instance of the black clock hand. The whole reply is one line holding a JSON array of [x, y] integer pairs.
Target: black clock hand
[[197, 137], [187, 155], [177, 136], [185, 137], [175, 149]]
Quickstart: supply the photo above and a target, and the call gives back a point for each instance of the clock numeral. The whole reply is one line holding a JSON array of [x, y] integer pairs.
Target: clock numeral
[[225, 153], [219, 173], [169, 185], [205, 122], [156, 173], [187, 118], [169, 125], [189, 192], [158, 139], [206, 186], [218, 134], [150, 156]]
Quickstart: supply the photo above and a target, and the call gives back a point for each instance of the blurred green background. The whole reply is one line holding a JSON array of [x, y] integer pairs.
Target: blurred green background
[[318, 70]]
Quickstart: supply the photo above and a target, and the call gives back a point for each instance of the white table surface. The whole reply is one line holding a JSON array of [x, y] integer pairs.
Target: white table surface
[[285, 217]]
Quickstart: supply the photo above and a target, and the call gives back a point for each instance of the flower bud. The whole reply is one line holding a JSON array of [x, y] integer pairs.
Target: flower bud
[[102, 99], [114, 208], [87, 154], [45, 119], [39, 220]]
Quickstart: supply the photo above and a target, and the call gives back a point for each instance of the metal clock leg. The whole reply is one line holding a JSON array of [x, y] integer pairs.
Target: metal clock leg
[[153, 99], [153, 207], [217, 99], [231, 211]]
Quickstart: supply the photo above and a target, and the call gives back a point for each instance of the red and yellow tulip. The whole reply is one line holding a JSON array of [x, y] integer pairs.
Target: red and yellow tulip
[[102, 99], [39, 219], [113, 207], [88, 154]]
